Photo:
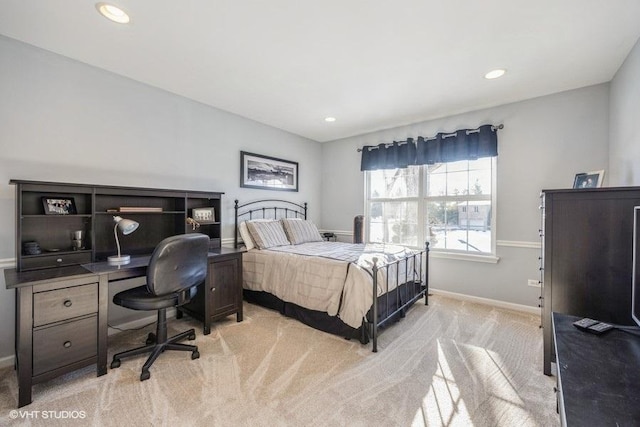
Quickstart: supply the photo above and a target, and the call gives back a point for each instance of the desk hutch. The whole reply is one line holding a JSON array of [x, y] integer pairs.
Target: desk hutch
[[62, 293]]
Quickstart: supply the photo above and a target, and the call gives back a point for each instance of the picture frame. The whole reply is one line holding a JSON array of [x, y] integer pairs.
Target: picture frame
[[59, 205], [267, 173], [204, 214], [591, 179]]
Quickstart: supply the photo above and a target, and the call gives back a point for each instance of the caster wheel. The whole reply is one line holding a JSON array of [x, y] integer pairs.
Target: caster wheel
[[151, 339], [145, 375], [191, 337], [115, 363], [195, 355]]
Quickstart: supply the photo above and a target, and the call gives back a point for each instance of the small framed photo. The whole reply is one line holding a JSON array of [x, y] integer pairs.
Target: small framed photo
[[204, 214], [591, 179], [59, 206], [267, 173]]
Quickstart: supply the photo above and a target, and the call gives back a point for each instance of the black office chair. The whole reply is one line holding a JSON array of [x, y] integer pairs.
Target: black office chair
[[177, 266]]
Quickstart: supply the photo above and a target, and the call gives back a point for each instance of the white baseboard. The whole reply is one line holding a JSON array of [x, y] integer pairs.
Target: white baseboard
[[139, 323], [7, 361], [7, 263], [486, 301]]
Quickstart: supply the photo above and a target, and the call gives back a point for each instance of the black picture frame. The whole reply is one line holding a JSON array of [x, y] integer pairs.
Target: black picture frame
[[267, 173], [59, 205], [204, 215]]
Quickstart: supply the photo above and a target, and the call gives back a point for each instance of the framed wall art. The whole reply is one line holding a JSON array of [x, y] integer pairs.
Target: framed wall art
[[591, 179], [267, 173]]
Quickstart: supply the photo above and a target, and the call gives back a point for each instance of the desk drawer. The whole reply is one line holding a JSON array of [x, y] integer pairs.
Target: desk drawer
[[63, 304], [63, 344], [59, 260]]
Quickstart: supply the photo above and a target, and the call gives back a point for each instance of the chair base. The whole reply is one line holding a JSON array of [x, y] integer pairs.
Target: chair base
[[156, 348]]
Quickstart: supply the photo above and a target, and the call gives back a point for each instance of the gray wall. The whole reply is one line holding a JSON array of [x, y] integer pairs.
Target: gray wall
[[61, 120], [544, 143], [624, 133]]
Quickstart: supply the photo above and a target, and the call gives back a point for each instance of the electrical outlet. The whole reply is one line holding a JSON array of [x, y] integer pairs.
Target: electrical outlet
[[534, 283]]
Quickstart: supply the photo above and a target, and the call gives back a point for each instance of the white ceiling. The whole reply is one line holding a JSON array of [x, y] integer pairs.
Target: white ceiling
[[372, 64]]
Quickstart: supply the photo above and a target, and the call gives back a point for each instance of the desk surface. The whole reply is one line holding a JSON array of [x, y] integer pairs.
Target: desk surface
[[17, 279], [599, 375]]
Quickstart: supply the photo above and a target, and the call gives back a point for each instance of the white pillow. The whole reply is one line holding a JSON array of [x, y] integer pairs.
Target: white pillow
[[267, 234], [300, 231], [246, 236]]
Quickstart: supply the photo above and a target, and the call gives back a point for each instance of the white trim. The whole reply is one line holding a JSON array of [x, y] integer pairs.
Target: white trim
[[7, 263], [487, 301], [7, 361], [337, 232], [229, 241], [519, 244], [139, 323], [491, 259]]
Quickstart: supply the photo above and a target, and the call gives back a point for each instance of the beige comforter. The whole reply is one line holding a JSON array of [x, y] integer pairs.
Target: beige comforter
[[332, 277]]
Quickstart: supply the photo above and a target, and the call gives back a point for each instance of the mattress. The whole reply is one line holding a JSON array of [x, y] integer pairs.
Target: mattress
[[332, 277]]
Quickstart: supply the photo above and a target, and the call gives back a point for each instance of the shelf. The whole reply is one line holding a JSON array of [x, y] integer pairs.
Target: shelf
[[52, 253], [141, 213], [57, 216]]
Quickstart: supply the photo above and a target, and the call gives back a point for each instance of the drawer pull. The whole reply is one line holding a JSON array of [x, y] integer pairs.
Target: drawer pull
[[213, 289], [67, 344], [59, 260], [67, 303]]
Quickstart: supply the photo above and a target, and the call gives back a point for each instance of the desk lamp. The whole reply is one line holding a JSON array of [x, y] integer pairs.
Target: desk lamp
[[126, 226]]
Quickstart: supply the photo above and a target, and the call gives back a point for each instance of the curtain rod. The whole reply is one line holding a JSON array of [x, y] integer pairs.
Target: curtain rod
[[494, 128]]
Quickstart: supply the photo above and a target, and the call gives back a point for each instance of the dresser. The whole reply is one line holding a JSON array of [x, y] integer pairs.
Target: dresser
[[586, 260]]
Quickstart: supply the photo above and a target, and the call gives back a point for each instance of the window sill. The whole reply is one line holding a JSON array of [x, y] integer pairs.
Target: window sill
[[490, 259]]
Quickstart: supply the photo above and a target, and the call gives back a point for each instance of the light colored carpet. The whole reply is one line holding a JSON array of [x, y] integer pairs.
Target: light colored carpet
[[451, 363]]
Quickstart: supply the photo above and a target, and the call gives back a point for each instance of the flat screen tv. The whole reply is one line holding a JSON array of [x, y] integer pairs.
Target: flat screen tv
[[635, 279]]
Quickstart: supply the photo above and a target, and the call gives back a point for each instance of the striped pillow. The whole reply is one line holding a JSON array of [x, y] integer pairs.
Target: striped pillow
[[301, 231], [267, 234]]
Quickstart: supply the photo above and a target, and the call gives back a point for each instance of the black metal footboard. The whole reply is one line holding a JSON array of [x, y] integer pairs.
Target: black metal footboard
[[393, 303]]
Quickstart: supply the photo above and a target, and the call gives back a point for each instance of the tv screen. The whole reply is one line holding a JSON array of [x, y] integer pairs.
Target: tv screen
[[635, 280]]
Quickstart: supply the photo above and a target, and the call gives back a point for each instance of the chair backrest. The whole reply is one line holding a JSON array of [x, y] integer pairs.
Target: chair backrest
[[178, 263]]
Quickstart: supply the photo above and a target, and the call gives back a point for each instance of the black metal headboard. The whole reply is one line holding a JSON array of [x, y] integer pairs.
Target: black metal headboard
[[267, 208]]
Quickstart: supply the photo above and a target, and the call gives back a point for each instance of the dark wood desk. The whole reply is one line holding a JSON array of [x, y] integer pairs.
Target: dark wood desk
[[62, 313], [598, 375]]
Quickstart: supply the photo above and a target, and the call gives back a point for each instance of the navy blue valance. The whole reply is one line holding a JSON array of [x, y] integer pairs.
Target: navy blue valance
[[393, 156], [465, 144]]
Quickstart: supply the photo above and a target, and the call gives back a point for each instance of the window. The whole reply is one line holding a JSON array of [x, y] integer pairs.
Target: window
[[448, 204]]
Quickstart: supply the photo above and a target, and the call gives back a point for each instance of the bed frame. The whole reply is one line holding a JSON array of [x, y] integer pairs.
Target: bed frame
[[390, 306]]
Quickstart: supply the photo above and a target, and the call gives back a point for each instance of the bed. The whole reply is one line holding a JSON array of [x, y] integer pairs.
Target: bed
[[329, 286]]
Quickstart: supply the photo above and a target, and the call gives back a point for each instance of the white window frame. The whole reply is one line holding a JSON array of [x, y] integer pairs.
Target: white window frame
[[422, 201]]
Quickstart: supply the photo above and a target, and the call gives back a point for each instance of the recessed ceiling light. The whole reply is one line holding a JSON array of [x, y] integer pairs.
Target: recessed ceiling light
[[494, 74], [329, 119], [113, 13]]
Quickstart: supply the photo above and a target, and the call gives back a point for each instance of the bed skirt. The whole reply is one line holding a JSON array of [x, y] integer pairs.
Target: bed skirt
[[332, 324]]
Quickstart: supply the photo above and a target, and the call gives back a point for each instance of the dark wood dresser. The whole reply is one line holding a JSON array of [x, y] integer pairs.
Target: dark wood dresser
[[587, 244]]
